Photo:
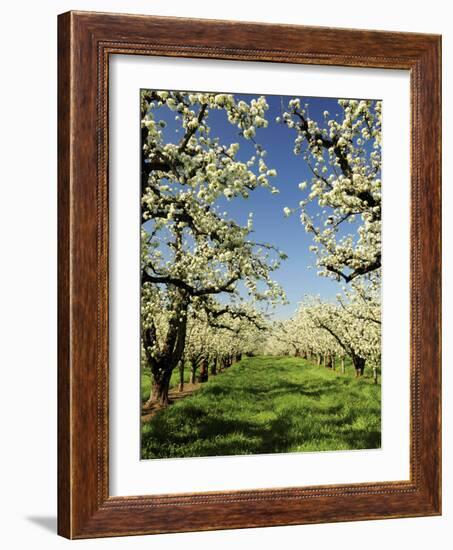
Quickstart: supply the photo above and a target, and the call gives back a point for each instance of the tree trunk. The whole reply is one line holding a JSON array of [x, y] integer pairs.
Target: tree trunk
[[203, 376], [359, 365], [181, 375], [238, 357], [343, 369], [319, 359], [328, 361], [333, 361], [193, 372], [159, 390], [375, 375], [171, 353], [213, 371]]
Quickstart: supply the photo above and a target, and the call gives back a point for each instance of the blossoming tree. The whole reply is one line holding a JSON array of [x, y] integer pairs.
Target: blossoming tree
[[354, 324], [193, 255], [343, 154]]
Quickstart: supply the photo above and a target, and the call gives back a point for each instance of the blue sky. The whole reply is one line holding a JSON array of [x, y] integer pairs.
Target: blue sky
[[270, 224]]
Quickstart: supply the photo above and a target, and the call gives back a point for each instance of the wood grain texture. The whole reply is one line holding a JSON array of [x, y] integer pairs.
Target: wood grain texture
[[85, 42], [64, 366]]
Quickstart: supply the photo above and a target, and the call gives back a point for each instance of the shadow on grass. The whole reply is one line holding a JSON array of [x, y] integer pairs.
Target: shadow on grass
[[256, 411], [283, 387], [221, 435]]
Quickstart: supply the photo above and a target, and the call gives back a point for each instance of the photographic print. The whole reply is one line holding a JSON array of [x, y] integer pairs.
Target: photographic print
[[260, 274]]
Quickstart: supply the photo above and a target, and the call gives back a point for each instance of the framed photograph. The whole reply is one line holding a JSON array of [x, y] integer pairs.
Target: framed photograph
[[249, 275]]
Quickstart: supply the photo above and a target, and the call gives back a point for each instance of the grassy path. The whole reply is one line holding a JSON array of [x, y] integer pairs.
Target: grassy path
[[268, 405]]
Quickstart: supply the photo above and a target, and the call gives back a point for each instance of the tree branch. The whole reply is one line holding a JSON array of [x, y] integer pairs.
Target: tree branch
[[192, 291]]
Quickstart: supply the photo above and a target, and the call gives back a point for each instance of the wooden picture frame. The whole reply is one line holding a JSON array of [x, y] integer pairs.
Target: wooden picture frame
[[85, 41]]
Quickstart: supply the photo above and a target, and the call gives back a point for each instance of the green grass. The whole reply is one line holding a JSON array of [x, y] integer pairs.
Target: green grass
[[269, 405]]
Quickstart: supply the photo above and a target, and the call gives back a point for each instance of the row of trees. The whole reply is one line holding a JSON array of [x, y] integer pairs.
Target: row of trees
[[322, 331], [211, 348], [205, 281], [344, 157]]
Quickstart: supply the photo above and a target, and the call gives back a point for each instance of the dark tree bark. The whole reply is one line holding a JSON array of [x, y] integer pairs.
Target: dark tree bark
[[203, 376], [225, 362], [193, 371], [160, 388], [359, 364]]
